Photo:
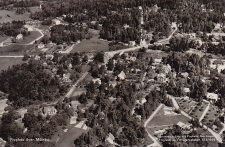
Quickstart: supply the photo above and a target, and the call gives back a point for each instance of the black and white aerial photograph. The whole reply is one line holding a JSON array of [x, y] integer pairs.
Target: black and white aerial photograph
[[112, 73]]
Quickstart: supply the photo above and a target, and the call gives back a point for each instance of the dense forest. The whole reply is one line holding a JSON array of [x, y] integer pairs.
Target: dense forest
[[191, 15], [29, 83], [68, 33]]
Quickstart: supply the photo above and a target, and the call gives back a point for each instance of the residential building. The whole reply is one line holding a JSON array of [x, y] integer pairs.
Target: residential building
[[212, 97]]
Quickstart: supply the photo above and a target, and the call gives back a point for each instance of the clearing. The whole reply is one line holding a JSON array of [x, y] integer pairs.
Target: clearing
[[28, 39], [8, 16], [6, 62], [93, 44], [67, 139]]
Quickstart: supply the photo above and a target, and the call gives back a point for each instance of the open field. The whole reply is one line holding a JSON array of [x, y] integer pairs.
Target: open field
[[165, 118], [67, 139], [94, 44], [15, 48], [28, 39], [8, 62], [8, 16]]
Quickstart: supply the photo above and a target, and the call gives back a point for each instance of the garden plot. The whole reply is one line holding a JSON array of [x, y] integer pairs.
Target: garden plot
[[186, 104], [198, 110], [211, 118]]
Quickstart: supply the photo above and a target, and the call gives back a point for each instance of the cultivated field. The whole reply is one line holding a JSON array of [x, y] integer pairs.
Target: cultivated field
[[15, 48], [186, 104], [8, 16], [8, 62], [198, 110], [94, 44], [210, 117]]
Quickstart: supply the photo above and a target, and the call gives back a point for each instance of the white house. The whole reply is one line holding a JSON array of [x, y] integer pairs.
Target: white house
[[66, 77], [212, 97], [19, 37], [56, 21], [122, 75], [162, 78], [186, 90], [49, 110], [132, 43], [110, 139], [29, 27], [157, 61], [97, 80]]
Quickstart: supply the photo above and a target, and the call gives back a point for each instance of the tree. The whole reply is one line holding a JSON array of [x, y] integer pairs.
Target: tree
[[99, 57], [110, 64]]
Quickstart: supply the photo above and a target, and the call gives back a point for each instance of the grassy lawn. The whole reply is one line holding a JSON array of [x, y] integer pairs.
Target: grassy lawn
[[3, 39], [27, 39], [8, 62], [198, 110], [162, 120], [94, 44], [12, 16], [15, 48]]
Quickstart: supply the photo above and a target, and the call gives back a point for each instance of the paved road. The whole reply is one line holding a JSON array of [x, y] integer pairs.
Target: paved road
[[204, 113], [71, 91], [156, 143]]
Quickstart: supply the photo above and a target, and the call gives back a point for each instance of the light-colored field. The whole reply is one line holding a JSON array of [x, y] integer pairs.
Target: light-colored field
[[165, 117], [67, 138], [93, 44], [2, 106], [8, 16], [8, 62]]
